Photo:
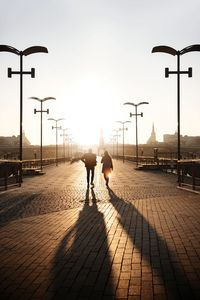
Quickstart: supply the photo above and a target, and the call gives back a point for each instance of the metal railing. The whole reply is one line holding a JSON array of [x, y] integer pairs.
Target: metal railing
[[10, 169], [189, 174], [9, 173]]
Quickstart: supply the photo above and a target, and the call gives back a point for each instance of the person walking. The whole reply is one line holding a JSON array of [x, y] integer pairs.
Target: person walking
[[107, 166], [90, 161]]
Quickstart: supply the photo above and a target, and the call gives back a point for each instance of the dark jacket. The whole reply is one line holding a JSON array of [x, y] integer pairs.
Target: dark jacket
[[89, 159]]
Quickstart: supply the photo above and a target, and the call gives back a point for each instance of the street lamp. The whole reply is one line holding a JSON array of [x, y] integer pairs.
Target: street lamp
[[112, 140], [26, 52], [41, 111], [136, 126], [123, 132], [172, 51], [56, 127], [117, 135], [64, 135]]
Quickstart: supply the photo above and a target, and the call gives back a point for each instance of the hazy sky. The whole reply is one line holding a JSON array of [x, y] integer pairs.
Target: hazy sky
[[100, 57]]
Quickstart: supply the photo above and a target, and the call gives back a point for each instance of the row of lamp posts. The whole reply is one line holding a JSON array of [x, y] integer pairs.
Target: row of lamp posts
[[178, 72], [21, 72], [136, 114], [37, 49]]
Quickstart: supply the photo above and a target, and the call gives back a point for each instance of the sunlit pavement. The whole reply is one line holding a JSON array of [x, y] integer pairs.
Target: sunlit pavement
[[139, 239]]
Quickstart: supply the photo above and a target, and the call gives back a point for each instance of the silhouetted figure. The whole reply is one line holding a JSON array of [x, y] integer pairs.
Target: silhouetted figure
[[90, 161], [107, 166]]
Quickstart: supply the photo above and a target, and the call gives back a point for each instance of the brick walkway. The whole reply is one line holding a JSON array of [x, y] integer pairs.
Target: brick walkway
[[137, 240]]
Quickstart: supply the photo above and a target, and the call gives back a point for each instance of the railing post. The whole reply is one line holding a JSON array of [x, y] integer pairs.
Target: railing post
[[6, 178], [193, 175], [179, 172]]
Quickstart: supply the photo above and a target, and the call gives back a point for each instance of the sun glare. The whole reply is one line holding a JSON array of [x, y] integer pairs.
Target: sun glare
[[86, 135], [91, 109], [87, 130]]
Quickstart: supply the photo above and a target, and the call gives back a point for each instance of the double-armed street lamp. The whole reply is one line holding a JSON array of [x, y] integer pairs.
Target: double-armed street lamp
[[136, 125], [178, 72], [112, 141], [56, 127], [64, 135], [21, 72], [41, 112], [70, 145], [123, 129], [117, 135]]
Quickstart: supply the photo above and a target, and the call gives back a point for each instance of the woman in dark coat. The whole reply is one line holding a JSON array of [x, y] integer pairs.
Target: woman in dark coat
[[107, 166]]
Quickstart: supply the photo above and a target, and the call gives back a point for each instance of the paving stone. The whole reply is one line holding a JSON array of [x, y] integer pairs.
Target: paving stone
[[138, 239]]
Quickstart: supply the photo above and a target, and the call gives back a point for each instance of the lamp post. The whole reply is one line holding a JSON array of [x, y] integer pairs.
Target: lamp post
[[123, 132], [64, 135], [56, 127], [41, 111], [117, 135], [178, 53], [136, 125], [26, 52], [68, 138], [112, 140]]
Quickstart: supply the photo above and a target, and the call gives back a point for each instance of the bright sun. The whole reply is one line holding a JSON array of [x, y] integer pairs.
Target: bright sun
[[91, 110], [87, 135]]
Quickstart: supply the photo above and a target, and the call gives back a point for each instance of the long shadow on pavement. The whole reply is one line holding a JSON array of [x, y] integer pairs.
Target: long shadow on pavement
[[15, 208], [153, 250], [82, 267]]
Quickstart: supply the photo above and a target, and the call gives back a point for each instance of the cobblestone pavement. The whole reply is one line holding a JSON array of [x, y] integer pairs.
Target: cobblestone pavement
[[139, 239]]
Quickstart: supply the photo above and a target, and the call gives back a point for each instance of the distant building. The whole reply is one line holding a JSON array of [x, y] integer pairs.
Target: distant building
[[185, 140], [13, 140], [152, 139]]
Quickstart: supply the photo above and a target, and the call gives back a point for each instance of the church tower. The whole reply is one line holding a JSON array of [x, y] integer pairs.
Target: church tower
[[152, 139]]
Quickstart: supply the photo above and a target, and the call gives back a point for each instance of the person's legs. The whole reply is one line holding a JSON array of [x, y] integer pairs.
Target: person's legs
[[92, 175], [88, 175], [106, 177]]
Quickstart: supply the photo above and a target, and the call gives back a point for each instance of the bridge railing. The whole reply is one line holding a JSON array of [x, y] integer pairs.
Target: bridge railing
[[163, 163], [189, 174], [10, 169], [9, 173]]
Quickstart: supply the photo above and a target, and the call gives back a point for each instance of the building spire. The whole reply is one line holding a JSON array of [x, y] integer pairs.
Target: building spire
[[152, 139]]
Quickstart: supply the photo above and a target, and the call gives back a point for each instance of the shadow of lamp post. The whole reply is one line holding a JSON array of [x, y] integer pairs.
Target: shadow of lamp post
[[26, 52], [136, 124], [121, 122], [41, 112], [178, 72], [56, 127]]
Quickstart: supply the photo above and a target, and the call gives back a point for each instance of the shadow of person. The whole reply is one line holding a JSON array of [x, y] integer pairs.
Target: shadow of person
[[94, 199], [87, 196], [81, 265], [162, 262]]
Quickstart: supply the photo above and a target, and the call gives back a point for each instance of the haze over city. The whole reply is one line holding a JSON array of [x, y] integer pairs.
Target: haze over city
[[100, 57]]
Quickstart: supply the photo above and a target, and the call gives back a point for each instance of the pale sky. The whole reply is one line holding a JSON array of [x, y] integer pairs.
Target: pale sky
[[100, 57]]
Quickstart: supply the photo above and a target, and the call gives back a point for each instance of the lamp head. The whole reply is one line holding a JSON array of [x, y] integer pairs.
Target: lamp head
[[190, 49], [165, 49], [6, 48], [34, 49]]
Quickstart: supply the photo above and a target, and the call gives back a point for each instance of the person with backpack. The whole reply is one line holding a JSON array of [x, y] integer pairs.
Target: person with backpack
[[90, 161]]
